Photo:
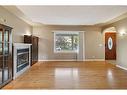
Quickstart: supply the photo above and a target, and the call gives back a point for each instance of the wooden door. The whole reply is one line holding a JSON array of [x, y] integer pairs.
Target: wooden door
[[110, 46], [34, 49]]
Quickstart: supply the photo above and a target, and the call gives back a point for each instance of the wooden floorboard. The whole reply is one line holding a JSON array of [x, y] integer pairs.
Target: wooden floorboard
[[71, 75]]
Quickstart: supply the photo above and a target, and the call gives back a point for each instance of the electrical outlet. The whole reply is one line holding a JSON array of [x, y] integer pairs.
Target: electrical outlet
[[44, 57], [100, 45]]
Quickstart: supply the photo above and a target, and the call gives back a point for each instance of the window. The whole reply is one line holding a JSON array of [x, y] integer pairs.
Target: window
[[66, 42]]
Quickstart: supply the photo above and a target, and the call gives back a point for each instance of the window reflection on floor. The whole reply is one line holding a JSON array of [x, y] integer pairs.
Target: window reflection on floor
[[5, 75], [67, 76], [110, 77]]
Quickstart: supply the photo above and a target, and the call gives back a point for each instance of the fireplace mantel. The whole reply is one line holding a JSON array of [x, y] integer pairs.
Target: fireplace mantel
[[21, 44], [18, 47]]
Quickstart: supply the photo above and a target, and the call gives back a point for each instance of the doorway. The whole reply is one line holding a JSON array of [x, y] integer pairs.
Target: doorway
[[110, 45]]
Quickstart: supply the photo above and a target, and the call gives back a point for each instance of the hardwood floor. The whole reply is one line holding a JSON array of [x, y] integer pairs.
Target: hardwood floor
[[71, 75]]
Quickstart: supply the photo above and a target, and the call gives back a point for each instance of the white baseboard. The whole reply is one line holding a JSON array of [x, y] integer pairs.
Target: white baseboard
[[58, 60], [76, 60], [121, 67]]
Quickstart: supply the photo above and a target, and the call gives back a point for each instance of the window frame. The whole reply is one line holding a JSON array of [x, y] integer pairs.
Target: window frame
[[65, 32]]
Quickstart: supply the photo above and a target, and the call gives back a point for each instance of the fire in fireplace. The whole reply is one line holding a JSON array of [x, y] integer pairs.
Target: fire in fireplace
[[22, 58]]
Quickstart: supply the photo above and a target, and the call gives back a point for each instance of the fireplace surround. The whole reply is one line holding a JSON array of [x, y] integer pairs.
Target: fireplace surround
[[21, 58]]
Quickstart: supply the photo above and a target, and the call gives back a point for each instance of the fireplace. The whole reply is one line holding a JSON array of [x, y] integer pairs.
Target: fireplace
[[21, 58]]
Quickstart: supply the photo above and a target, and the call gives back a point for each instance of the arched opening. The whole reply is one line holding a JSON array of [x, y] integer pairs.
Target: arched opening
[[109, 29], [110, 44]]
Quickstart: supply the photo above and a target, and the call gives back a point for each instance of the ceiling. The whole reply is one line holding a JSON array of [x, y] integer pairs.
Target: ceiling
[[72, 15]]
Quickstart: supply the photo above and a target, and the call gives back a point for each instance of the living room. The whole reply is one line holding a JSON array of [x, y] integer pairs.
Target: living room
[[80, 48]]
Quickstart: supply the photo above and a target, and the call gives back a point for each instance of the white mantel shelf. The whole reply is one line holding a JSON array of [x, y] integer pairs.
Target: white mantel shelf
[[21, 44]]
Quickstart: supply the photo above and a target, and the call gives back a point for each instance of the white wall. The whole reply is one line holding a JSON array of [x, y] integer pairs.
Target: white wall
[[92, 38], [121, 43]]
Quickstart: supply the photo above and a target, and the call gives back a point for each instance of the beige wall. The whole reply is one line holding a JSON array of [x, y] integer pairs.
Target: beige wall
[[94, 43], [121, 51], [19, 27], [92, 38]]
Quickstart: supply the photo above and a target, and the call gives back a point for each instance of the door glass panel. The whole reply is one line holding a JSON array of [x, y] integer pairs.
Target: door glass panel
[[0, 76], [1, 35], [1, 66], [110, 43], [1, 52], [6, 36], [6, 48], [6, 68]]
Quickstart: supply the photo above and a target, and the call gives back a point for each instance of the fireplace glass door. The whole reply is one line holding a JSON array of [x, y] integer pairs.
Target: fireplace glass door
[[22, 58]]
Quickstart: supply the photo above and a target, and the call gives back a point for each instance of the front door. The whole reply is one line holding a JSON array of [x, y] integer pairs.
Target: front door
[[110, 46]]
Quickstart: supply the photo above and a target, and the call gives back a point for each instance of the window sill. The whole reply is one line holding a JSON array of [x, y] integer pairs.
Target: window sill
[[65, 52]]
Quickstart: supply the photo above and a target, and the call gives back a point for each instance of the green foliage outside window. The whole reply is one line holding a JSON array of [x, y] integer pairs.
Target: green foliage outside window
[[66, 42]]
